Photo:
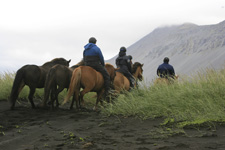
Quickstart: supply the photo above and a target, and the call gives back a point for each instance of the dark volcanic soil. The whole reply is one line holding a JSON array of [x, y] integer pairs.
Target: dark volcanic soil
[[33, 129]]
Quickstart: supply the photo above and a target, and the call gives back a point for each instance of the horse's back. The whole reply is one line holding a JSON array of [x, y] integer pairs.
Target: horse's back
[[161, 81], [88, 72], [59, 75], [62, 74], [91, 78], [32, 75], [165, 80]]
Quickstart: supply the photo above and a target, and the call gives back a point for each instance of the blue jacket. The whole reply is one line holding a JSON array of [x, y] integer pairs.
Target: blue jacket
[[93, 50], [165, 70]]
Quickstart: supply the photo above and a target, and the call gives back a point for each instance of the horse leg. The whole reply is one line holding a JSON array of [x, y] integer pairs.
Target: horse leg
[[99, 98], [81, 100], [96, 104], [74, 98], [53, 95], [47, 91], [60, 89], [52, 98], [82, 93], [31, 95]]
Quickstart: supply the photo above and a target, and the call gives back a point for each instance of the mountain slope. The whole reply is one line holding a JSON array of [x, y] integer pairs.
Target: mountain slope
[[190, 47]]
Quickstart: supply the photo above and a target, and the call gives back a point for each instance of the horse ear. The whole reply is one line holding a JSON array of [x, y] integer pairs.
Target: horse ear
[[117, 69], [142, 65], [69, 61]]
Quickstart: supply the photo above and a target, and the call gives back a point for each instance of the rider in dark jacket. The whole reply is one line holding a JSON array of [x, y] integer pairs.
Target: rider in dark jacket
[[93, 57], [124, 63], [166, 70]]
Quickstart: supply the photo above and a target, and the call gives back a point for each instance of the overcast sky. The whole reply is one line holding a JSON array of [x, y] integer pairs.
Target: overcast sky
[[36, 31]]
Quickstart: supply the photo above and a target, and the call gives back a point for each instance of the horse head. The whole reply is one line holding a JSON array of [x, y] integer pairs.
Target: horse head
[[137, 70]]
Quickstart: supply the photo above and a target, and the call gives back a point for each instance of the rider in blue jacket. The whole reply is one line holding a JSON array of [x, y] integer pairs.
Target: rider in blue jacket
[[166, 70], [93, 53], [93, 57]]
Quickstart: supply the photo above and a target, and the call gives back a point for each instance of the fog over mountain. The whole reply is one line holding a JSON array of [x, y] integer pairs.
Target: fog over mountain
[[191, 48]]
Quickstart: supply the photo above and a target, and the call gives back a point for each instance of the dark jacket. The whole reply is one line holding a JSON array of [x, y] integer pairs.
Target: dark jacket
[[165, 70], [123, 62], [92, 53]]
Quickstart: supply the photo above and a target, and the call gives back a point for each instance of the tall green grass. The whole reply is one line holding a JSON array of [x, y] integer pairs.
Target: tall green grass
[[6, 82], [192, 100]]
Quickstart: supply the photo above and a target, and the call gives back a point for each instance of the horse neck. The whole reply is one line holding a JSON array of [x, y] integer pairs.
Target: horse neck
[[135, 74], [111, 72], [74, 67]]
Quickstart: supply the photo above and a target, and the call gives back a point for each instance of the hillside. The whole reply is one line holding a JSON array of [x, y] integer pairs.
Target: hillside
[[190, 47]]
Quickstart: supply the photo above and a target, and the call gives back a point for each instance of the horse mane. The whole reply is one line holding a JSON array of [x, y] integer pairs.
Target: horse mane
[[74, 66], [55, 60], [135, 66], [108, 64], [80, 63]]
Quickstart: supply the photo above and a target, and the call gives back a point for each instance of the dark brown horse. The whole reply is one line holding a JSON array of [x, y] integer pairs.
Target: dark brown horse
[[57, 79], [122, 83], [34, 77], [90, 80]]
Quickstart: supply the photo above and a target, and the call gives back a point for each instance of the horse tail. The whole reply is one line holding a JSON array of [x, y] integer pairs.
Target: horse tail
[[49, 83], [18, 85], [74, 84]]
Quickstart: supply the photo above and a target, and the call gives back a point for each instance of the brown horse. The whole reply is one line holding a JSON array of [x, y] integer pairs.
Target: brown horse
[[57, 79], [166, 81], [34, 77], [90, 80], [122, 83]]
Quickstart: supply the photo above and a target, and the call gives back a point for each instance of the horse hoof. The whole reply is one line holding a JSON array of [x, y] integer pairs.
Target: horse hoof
[[41, 105], [95, 108]]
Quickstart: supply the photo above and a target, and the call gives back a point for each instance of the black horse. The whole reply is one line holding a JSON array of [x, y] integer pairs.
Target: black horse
[[57, 79], [34, 77]]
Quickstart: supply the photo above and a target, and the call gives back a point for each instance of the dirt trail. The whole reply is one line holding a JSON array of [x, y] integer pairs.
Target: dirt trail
[[37, 129]]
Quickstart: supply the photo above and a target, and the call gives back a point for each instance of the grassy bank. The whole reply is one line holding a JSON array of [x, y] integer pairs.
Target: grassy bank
[[191, 101], [6, 82]]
